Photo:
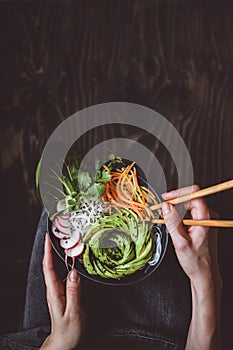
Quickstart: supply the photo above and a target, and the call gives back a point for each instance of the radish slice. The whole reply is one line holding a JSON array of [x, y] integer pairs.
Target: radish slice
[[70, 242], [65, 217], [57, 233], [63, 222], [62, 205], [75, 251], [65, 230]]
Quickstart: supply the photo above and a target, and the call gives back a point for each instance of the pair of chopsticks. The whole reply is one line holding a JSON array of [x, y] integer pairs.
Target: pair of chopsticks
[[202, 193]]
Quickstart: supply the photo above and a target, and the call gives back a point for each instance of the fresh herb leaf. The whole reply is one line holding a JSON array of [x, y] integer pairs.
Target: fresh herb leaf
[[100, 188], [105, 176], [74, 194], [97, 175], [118, 160], [71, 201], [111, 157], [74, 174], [94, 192], [84, 180], [113, 160]]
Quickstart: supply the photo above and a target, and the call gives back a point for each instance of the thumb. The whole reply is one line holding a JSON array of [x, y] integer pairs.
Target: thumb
[[72, 292], [174, 226]]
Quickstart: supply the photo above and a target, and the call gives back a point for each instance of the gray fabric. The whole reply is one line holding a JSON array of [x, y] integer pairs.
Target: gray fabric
[[152, 314], [36, 310], [30, 339]]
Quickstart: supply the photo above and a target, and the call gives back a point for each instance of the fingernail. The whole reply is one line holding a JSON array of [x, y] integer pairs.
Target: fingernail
[[164, 195], [74, 277], [46, 239], [166, 208]]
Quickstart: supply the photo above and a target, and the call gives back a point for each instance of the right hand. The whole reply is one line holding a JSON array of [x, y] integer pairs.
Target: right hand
[[196, 247], [67, 315], [196, 250]]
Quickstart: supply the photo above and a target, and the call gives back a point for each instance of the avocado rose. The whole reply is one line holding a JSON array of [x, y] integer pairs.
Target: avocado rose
[[117, 245]]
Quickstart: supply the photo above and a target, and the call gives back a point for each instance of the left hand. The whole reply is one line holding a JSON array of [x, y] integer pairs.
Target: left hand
[[66, 312]]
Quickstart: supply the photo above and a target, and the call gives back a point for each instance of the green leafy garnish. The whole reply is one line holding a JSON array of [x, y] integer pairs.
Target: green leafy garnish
[[94, 192], [103, 176], [114, 160], [77, 183], [84, 180]]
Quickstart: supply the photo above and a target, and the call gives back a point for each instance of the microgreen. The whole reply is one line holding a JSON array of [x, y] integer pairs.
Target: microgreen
[[78, 183]]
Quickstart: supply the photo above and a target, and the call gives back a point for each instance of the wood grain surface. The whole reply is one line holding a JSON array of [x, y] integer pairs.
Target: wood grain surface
[[58, 57]]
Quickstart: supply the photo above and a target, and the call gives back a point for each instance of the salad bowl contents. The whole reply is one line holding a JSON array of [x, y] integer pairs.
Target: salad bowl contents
[[102, 225]]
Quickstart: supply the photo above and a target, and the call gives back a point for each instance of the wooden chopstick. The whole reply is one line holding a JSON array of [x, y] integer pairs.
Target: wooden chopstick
[[209, 223], [202, 193]]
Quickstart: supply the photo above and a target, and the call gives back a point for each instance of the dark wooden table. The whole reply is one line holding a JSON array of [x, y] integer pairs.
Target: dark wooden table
[[175, 57]]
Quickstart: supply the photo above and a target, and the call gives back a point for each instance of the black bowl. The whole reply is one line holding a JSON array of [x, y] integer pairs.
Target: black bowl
[[137, 276]]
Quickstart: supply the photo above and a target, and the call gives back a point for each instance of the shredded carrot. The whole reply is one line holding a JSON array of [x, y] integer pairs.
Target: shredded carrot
[[124, 191]]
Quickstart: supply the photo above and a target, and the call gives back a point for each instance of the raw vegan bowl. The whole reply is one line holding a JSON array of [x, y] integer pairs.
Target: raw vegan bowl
[[117, 249]]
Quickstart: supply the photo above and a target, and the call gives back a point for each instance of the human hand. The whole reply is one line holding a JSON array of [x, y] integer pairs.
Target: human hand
[[66, 312], [196, 247], [196, 250]]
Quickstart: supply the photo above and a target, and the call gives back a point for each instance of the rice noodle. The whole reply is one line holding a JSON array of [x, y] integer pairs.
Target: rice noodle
[[87, 214]]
